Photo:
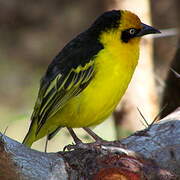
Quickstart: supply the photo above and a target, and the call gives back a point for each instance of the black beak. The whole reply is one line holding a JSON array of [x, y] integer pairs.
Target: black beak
[[147, 30]]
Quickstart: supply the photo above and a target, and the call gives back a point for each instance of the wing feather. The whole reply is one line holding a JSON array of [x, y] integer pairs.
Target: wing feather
[[68, 74], [57, 97]]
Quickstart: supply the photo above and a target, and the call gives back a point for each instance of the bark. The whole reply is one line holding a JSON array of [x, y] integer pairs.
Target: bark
[[149, 154]]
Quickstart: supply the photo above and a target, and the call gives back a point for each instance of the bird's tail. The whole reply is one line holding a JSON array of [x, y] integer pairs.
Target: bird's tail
[[30, 136], [28, 140]]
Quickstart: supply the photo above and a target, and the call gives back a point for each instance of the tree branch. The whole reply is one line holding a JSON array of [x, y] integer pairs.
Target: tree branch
[[148, 154]]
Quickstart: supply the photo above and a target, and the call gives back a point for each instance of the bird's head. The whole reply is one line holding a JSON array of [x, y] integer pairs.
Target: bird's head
[[121, 26]]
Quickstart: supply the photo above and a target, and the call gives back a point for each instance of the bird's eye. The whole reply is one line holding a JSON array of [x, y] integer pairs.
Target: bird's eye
[[129, 34], [132, 31]]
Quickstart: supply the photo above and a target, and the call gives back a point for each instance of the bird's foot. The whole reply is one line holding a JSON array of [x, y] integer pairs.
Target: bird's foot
[[83, 146], [94, 146], [77, 146]]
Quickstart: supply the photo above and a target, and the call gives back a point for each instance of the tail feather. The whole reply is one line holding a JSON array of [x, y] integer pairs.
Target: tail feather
[[28, 140], [30, 136]]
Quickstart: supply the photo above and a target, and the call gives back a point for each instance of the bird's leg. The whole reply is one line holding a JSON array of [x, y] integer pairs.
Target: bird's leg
[[46, 144], [75, 138], [95, 146], [78, 143], [99, 142], [93, 135]]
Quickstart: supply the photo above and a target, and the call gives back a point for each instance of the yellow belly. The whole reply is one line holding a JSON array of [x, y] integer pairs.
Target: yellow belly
[[98, 100]]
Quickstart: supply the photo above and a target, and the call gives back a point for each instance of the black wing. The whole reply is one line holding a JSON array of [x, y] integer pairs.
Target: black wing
[[68, 74]]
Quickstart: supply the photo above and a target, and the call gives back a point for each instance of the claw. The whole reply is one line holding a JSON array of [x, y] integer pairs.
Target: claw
[[69, 147], [95, 146]]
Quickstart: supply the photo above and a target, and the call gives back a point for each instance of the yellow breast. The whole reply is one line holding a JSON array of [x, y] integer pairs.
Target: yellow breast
[[114, 67], [113, 71]]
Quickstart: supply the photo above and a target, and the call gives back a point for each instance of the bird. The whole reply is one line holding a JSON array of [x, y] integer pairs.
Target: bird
[[86, 80]]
